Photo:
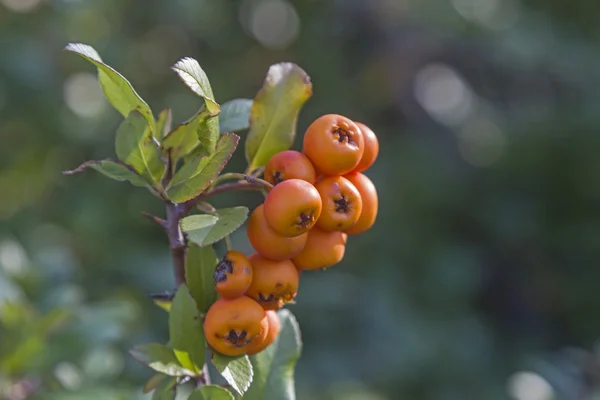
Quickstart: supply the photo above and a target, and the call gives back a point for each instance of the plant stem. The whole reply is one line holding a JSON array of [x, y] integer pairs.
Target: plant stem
[[176, 240], [228, 243], [224, 188], [245, 177]]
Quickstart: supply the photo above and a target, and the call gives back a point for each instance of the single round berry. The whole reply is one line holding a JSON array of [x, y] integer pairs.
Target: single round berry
[[233, 275], [289, 164], [334, 144], [370, 203], [371, 148], [274, 284], [231, 327], [323, 249], [292, 207], [342, 203]]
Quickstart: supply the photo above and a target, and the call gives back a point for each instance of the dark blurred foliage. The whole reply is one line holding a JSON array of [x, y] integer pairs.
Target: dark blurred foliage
[[479, 279]]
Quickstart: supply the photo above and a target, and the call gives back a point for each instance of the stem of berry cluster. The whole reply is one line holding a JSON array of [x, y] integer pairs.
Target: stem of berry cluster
[[176, 240]]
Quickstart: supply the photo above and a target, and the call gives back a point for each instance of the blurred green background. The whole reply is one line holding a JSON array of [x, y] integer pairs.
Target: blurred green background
[[479, 280]]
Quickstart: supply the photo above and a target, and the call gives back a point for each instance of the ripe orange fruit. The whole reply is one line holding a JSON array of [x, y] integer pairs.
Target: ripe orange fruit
[[323, 249], [342, 203], [233, 275], [274, 328], [371, 148], [289, 164], [268, 242], [274, 283], [231, 327], [334, 144], [368, 194], [292, 207]]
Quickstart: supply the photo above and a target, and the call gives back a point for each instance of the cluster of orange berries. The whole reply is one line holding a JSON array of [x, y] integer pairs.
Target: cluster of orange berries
[[320, 196]]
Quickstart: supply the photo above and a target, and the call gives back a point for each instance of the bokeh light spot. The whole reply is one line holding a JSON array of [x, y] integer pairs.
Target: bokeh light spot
[[443, 94], [83, 95], [529, 386], [274, 23], [21, 6]]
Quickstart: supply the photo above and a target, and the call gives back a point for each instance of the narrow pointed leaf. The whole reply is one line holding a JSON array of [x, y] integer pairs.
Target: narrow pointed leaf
[[237, 371], [274, 112], [235, 115], [153, 382], [274, 366], [204, 230], [184, 138], [211, 392], [114, 170], [200, 264], [134, 146], [163, 124], [116, 88], [160, 358], [190, 72], [198, 173], [165, 390], [185, 331]]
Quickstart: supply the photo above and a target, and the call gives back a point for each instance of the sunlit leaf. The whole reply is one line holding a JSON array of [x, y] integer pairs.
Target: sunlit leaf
[[190, 72], [274, 366], [274, 112], [116, 88], [198, 173], [134, 146], [113, 169], [200, 264], [211, 392], [185, 331], [237, 371], [204, 230], [160, 358], [235, 115]]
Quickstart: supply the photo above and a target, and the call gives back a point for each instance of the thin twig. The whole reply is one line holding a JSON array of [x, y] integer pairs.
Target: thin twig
[[176, 240], [155, 219], [224, 188]]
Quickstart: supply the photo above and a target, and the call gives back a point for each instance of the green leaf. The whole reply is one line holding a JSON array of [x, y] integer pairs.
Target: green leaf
[[114, 170], [160, 358], [237, 371], [153, 382], [190, 72], [165, 390], [116, 88], [208, 134], [211, 392], [204, 230], [274, 366], [235, 115], [200, 264], [185, 331], [184, 138], [135, 146], [198, 173], [274, 113], [163, 124]]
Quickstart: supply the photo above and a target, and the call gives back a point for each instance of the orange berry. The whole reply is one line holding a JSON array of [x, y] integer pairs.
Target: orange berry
[[233, 275], [292, 207], [342, 203], [289, 164], [334, 144], [323, 249], [371, 148], [269, 243], [370, 203], [231, 327], [274, 328], [274, 283]]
